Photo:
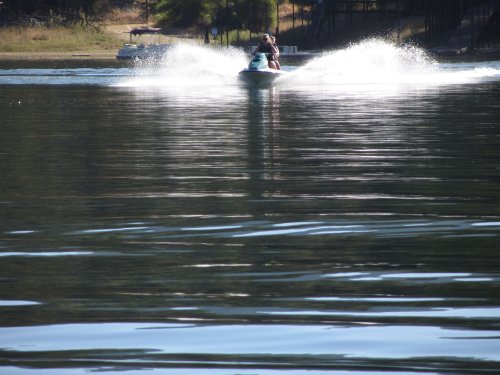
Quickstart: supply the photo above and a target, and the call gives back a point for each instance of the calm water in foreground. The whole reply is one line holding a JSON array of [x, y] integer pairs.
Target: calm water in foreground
[[166, 219]]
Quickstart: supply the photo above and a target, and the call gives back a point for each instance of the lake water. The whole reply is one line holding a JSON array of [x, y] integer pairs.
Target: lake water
[[163, 218]]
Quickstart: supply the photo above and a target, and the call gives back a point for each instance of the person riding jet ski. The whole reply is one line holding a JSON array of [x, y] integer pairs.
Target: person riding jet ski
[[271, 51]]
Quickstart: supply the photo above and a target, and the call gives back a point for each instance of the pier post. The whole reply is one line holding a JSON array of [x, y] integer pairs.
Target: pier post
[[277, 18], [460, 12], [227, 23], [398, 11], [472, 31]]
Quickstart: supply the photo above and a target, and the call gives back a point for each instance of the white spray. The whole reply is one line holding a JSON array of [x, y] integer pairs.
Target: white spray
[[190, 65], [372, 64]]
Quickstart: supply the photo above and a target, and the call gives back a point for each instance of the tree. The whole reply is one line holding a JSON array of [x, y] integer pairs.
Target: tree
[[68, 10], [185, 13], [253, 15]]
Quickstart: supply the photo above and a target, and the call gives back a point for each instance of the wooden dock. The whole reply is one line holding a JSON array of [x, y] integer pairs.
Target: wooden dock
[[464, 25]]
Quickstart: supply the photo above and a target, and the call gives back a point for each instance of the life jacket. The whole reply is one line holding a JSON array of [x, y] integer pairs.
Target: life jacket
[[266, 49]]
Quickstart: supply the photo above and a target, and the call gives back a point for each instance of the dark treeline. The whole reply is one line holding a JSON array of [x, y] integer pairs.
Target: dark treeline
[[231, 14], [55, 11], [314, 21], [41, 7], [254, 15]]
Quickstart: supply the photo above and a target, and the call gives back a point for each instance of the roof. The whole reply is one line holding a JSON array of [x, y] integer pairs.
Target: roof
[[144, 30]]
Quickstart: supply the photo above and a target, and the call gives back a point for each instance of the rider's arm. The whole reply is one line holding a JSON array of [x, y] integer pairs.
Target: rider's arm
[[256, 50]]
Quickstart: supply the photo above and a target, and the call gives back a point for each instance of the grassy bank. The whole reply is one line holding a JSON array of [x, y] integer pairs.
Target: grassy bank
[[60, 39]]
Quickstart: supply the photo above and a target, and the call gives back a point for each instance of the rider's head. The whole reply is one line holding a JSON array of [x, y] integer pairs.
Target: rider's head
[[265, 38]]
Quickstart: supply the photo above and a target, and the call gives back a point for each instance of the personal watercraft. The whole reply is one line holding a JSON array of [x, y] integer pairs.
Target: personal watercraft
[[258, 71]]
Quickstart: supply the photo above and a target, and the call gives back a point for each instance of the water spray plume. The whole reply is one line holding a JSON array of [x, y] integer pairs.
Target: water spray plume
[[186, 65], [372, 61], [372, 64]]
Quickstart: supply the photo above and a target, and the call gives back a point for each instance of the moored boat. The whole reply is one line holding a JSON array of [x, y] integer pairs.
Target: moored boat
[[142, 51]]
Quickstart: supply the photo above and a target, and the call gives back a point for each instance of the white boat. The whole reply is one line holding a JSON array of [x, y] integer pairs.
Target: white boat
[[258, 71], [142, 51]]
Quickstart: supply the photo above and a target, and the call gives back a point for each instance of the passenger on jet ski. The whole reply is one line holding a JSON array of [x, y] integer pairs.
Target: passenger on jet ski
[[277, 54], [269, 49]]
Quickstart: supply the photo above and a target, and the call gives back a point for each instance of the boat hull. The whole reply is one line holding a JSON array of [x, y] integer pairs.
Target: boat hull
[[138, 52], [260, 76]]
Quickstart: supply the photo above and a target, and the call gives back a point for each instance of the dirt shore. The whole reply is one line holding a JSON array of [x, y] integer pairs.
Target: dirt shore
[[484, 54], [107, 55], [120, 32]]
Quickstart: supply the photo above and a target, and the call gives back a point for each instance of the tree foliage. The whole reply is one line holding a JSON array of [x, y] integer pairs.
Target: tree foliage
[[255, 14], [44, 6], [252, 15], [185, 13], [47, 11]]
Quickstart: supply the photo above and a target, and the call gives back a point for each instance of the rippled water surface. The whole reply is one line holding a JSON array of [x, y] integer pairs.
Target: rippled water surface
[[164, 218]]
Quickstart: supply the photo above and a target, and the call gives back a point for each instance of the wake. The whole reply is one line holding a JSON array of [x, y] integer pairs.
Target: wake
[[366, 64]]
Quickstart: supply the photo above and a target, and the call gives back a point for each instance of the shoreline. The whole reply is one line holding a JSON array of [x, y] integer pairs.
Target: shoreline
[[482, 54], [74, 55], [439, 53]]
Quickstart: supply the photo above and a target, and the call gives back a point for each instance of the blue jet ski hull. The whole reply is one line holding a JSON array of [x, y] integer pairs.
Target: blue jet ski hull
[[260, 76], [258, 71]]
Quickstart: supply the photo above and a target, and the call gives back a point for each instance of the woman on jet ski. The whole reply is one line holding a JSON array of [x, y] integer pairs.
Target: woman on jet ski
[[276, 53], [266, 46]]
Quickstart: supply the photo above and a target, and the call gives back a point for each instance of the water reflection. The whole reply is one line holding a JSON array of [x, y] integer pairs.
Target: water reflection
[[158, 226], [187, 338], [214, 346]]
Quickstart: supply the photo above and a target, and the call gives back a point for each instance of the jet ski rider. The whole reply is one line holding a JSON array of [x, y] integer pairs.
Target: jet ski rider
[[266, 46]]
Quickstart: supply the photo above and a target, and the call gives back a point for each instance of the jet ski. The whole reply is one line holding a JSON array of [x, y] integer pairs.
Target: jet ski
[[258, 71]]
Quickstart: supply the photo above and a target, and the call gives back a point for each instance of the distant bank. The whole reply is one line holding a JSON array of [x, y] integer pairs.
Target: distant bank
[[57, 56]]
